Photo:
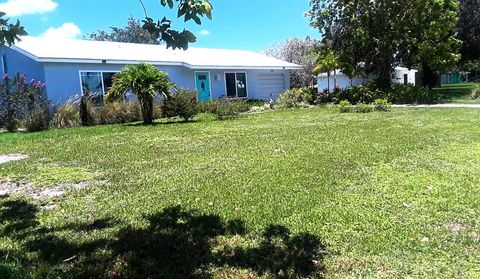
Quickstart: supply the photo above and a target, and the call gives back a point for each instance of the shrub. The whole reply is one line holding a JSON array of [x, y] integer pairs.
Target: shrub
[[411, 94], [364, 108], [23, 101], [345, 106], [66, 116], [119, 112], [366, 93], [382, 105], [183, 104], [227, 108], [295, 98], [476, 92], [86, 110]]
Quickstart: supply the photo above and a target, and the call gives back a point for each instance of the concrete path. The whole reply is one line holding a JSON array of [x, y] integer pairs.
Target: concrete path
[[473, 106]]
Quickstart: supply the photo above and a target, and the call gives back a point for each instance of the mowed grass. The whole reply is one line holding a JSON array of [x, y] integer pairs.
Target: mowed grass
[[457, 93], [288, 194]]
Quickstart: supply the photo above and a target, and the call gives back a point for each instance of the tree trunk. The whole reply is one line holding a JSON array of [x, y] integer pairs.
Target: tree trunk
[[328, 83], [334, 80], [384, 79], [147, 109], [429, 77]]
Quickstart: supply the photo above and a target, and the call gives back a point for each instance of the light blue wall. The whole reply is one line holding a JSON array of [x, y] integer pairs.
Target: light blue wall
[[63, 79], [19, 63]]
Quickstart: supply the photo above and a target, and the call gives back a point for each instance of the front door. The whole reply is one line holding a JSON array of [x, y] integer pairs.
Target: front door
[[202, 83]]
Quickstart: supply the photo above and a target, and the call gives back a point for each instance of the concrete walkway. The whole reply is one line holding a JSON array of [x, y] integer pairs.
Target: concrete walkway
[[473, 106]]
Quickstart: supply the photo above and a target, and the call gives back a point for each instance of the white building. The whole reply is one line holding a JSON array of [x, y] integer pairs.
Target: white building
[[400, 75]]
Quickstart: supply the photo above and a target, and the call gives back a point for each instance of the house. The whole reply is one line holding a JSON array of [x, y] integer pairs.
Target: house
[[399, 75], [70, 67]]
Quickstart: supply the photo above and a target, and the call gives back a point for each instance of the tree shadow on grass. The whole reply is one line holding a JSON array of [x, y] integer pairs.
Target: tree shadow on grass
[[176, 243]]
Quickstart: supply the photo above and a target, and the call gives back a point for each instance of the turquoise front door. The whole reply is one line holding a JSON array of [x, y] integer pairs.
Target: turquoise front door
[[202, 83]]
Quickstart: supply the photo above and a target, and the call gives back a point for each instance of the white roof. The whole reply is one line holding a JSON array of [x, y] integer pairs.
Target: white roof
[[82, 51], [340, 73]]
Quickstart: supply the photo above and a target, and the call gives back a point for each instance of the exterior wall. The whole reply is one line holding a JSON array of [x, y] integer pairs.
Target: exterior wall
[[344, 81], [19, 63], [64, 79]]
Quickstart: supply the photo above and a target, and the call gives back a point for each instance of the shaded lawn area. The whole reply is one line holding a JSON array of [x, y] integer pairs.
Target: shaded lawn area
[[457, 93], [288, 194]]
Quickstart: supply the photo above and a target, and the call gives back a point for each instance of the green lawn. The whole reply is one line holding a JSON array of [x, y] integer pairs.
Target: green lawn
[[289, 194], [457, 93]]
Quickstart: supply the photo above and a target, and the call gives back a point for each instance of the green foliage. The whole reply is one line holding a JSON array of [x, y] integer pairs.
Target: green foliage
[[119, 112], [476, 92], [345, 106], [132, 33], [382, 105], [10, 33], [66, 115], [411, 94], [363, 108], [189, 10], [327, 62], [86, 110], [371, 37], [183, 104], [143, 80], [397, 94], [295, 98], [224, 108]]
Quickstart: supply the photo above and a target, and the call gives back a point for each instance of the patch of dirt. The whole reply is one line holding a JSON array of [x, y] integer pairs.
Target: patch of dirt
[[455, 227], [26, 188], [12, 157]]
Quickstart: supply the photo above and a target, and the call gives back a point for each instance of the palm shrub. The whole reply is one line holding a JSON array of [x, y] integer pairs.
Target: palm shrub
[[183, 104], [143, 80]]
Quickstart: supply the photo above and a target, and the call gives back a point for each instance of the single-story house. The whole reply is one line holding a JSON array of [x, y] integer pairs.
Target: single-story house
[[70, 67], [399, 75]]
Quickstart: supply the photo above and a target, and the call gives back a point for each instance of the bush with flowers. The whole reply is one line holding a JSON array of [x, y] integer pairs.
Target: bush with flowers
[[23, 102]]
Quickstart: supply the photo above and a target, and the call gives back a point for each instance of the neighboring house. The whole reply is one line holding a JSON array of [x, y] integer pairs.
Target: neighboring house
[[71, 67], [400, 75]]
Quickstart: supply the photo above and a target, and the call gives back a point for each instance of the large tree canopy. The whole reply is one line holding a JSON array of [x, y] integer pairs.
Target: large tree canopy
[[298, 51], [132, 33], [469, 29], [10, 33], [372, 37]]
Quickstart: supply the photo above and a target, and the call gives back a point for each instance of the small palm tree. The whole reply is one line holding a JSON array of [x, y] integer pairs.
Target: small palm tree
[[327, 62], [143, 80]]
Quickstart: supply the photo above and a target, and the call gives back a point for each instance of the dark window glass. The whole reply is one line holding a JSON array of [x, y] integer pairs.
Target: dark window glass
[[241, 85], [231, 86], [108, 81]]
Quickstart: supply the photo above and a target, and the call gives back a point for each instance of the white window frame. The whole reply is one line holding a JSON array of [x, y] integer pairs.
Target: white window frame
[[94, 71], [236, 91]]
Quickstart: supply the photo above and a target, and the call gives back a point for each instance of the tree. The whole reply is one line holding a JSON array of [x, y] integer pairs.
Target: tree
[[132, 33], [301, 52], [376, 36], [188, 10], [143, 80], [327, 62], [10, 33], [468, 31]]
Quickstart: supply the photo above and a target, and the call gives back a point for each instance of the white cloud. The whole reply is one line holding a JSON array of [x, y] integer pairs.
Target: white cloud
[[27, 7], [205, 32], [66, 31]]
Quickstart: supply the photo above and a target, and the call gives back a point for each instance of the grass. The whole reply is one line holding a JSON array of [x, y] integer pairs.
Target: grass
[[288, 194], [457, 93]]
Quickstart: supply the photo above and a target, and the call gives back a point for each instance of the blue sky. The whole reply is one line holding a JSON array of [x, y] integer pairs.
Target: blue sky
[[244, 24]]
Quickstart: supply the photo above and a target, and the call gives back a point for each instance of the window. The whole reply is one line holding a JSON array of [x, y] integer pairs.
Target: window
[[97, 83], [236, 85]]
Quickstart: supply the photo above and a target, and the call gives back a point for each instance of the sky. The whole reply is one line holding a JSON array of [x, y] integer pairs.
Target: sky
[[245, 24]]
